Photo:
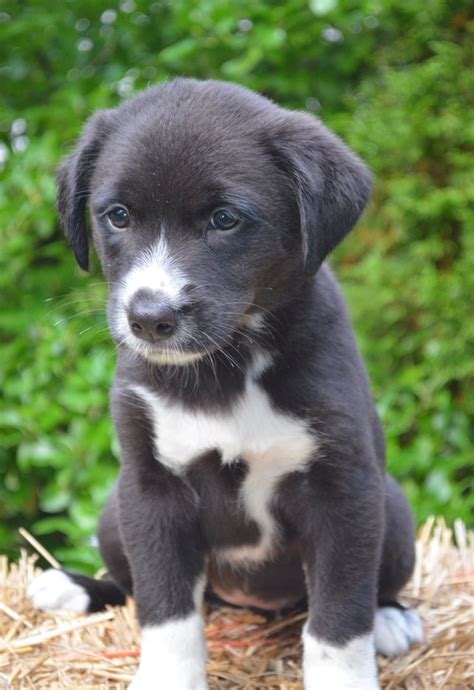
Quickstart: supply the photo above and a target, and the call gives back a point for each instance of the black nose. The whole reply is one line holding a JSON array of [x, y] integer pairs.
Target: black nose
[[151, 319]]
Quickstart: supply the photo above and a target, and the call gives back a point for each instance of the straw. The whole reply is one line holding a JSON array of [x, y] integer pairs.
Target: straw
[[247, 651]]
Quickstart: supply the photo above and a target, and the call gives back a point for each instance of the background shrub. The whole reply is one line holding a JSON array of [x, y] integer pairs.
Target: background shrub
[[394, 79]]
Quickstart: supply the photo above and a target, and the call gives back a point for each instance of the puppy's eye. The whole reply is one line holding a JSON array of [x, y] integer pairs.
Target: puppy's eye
[[223, 219], [118, 216]]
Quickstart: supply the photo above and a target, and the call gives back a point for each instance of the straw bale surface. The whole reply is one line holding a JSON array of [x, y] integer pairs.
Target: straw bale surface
[[246, 650]]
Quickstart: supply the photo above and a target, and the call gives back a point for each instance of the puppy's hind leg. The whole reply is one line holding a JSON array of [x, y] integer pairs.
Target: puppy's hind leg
[[396, 627], [56, 589], [61, 590]]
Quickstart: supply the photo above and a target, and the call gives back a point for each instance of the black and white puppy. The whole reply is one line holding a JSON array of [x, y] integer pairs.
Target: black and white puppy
[[253, 461]]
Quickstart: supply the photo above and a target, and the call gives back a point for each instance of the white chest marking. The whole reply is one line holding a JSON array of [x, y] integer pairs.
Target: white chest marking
[[272, 444]]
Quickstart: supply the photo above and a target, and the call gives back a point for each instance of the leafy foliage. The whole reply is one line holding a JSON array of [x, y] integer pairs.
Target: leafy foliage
[[394, 79]]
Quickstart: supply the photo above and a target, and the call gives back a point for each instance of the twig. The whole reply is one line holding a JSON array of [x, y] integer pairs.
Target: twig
[[40, 549]]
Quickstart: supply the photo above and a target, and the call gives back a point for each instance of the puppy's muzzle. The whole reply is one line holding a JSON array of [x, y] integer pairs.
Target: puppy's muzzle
[[150, 317]]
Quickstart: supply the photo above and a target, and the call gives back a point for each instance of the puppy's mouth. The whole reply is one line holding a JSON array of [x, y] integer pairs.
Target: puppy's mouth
[[165, 335], [174, 352], [189, 346], [185, 347]]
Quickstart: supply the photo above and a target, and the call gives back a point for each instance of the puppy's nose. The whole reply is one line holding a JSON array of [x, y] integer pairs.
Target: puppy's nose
[[150, 318]]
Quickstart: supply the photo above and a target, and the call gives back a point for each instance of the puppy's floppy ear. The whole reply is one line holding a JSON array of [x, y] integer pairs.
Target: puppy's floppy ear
[[73, 177], [331, 183]]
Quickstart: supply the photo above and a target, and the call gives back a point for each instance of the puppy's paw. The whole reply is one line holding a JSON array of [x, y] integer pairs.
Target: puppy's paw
[[173, 656], [396, 630], [54, 590], [339, 667]]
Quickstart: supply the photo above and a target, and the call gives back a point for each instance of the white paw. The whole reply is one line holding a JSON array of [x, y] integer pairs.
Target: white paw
[[53, 590], [173, 656], [330, 667], [396, 630]]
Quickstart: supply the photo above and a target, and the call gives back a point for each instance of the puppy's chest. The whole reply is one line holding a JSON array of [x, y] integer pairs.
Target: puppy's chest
[[269, 443]]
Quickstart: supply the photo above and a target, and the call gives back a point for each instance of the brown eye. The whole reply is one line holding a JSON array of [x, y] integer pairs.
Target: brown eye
[[223, 219], [118, 217]]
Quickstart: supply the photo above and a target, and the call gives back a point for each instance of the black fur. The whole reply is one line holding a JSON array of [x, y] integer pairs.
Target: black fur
[[101, 593], [171, 156]]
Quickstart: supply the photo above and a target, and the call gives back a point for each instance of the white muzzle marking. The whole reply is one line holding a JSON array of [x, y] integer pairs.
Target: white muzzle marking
[[155, 271]]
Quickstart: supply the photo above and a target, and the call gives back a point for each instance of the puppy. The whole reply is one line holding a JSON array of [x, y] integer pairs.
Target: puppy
[[253, 460]]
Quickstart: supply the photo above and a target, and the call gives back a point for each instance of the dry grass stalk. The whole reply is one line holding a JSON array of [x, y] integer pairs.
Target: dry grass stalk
[[246, 651]]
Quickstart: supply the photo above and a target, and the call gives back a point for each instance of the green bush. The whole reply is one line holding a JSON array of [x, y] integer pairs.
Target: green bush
[[411, 282], [394, 79]]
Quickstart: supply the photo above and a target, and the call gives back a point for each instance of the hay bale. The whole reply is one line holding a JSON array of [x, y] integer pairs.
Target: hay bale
[[101, 651]]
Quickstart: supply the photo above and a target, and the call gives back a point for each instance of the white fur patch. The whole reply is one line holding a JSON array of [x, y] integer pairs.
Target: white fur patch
[[173, 656], [155, 270], [396, 630], [254, 321], [53, 590], [272, 444], [260, 363], [350, 667]]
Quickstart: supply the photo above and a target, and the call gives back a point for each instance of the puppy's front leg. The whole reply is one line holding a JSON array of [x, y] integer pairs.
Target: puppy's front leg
[[342, 541], [158, 520]]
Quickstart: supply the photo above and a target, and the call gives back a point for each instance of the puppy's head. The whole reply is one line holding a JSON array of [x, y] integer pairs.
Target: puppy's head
[[210, 206]]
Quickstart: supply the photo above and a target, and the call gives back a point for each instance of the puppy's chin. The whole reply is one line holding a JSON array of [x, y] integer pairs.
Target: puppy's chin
[[170, 356], [174, 358]]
